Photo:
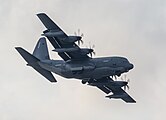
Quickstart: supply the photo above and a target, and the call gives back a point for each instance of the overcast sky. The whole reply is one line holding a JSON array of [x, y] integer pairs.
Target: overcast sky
[[135, 29]]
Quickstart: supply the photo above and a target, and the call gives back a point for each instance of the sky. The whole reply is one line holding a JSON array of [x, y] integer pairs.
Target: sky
[[135, 29]]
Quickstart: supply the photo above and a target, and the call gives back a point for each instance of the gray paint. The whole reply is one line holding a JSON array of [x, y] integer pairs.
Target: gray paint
[[94, 71], [135, 29]]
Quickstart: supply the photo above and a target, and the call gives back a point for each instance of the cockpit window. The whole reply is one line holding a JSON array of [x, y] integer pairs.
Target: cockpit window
[[125, 60]]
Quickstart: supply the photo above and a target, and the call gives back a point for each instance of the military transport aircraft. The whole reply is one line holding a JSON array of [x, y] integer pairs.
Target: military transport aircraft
[[77, 62]]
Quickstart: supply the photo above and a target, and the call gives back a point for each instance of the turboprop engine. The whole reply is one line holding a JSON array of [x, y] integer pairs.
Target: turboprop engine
[[60, 34]]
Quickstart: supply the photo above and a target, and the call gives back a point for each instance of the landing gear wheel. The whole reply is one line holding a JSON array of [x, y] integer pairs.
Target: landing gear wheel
[[119, 75], [83, 82]]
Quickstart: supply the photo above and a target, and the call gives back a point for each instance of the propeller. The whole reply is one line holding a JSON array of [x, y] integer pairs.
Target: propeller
[[126, 80], [79, 34], [114, 76], [92, 52]]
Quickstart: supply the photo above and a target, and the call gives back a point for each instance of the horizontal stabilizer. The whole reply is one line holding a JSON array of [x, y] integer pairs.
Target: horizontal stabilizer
[[33, 61], [47, 74], [30, 59]]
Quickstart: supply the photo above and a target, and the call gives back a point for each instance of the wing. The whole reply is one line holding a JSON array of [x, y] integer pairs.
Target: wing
[[58, 43], [103, 88], [106, 84], [58, 37], [120, 93], [50, 25]]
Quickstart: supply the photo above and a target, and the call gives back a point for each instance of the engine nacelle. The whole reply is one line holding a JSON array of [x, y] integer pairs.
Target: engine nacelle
[[53, 33], [120, 83], [86, 50], [72, 39], [64, 38]]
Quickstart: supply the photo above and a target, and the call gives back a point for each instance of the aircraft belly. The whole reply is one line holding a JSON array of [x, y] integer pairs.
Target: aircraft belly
[[51, 68], [76, 74], [56, 70], [78, 70], [45, 66], [102, 72]]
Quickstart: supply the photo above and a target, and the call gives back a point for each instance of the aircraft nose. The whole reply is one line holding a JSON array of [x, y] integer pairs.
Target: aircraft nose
[[131, 66], [79, 37]]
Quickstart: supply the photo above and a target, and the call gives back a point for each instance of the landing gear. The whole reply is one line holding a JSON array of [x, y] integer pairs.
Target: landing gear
[[88, 80], [115, 76], [118, 75], [83, 82]]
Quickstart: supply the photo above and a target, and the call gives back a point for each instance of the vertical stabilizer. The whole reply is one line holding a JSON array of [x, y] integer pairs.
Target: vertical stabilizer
[[41, 50]]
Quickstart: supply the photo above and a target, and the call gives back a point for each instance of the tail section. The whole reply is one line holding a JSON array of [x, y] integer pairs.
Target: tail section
[[30, 59], [41, 50], [38, 55]]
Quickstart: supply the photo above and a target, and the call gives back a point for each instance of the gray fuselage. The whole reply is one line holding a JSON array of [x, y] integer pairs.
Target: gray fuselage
[[94, 68]]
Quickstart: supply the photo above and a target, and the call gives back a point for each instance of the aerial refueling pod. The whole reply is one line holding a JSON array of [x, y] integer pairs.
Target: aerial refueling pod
[[116, 96]]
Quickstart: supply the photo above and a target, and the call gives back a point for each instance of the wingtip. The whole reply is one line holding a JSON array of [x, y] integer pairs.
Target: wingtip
[[132, 102], [42, 13], [53, 80], [18, 48]]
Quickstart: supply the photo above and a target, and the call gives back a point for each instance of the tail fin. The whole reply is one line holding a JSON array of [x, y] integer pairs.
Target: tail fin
[[41, 50], [33, 61]]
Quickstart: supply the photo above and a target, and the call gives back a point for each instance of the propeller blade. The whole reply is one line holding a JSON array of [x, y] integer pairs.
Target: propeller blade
[[75, 33], [125, 77], [124, 88], [128, 87], [89, 45], [78, 31], [79, 42], [128, 80], [82, 41], [91, 55], [115, 77], [94, 52], [93, 46], [82, 35]]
